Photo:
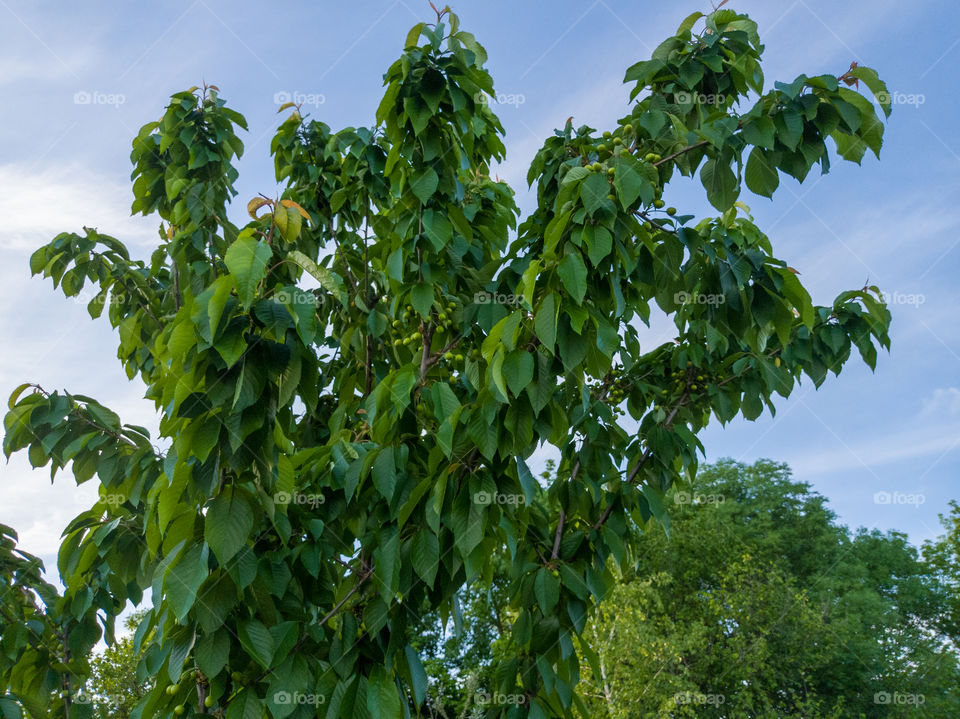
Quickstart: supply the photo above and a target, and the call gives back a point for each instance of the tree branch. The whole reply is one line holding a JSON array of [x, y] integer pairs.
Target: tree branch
[[676, 154]]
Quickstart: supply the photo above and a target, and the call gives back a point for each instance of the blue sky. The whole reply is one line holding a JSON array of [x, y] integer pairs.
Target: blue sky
[[78, 80]]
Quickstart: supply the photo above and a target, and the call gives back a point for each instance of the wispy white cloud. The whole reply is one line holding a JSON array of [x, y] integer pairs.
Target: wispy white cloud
[[45, 68], [944, 402], [39, 203]]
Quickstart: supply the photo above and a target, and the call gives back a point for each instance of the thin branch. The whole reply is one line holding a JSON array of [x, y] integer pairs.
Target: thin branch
[[434, 358], [676, 154], [556, 538], [647, 453]]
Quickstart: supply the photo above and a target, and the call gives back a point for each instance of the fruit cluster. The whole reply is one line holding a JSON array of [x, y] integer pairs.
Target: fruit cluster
[[200, 680], [442, 322], [614, 391], [615, 144], [694, 380]]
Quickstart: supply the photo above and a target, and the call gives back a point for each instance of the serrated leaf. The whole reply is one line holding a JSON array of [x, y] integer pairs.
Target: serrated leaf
[[546, 587], [761, 176], [418, 676], [421, 297], [573, 274], [257, 641], [185, 578], [425, 184], [228, 524], [247, 260], [720, 183], [383, 700], [327, 279], [518, 370], [425, 554]]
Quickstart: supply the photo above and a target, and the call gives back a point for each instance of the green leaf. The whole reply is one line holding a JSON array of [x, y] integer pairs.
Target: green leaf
[[386, 559], [418, 676], [720, 183], [573, 274], [760, 131], [218, 300], [546, 587], [256, 641], [384, 473], [327, 279], [421, 297], [425, 184], [545, 322], [634, 179], [789, 125], [10, 710], [247, 260], [437, 229], [877, 86], [185, 578], [445, 402], [554, 232], [425, 554], [246, 705], [599, 242], [383, 700], [761, 175], [228, 524], [518, 370], [212, 652], [594, 192]]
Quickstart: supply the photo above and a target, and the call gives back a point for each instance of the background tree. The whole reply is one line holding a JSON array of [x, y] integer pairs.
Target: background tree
[[758, 604], [760, 597], [115, 684], [943, 555], [38, 654], [400, 397]]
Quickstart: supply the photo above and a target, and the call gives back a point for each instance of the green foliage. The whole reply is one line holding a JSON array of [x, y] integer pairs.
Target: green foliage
[[943, 555], [39, 657], [330, 447], [758, 604], [115, 687]]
